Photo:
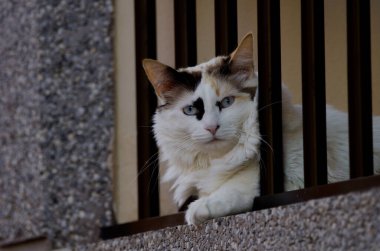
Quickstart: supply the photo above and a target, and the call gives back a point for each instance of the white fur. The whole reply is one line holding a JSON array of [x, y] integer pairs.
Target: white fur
[[337, 144], [226, 174]]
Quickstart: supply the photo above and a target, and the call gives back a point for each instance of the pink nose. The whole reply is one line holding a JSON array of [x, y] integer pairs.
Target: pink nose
[[212, 129]]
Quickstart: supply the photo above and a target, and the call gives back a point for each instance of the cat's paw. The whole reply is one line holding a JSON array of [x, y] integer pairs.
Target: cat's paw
[[198, 212]]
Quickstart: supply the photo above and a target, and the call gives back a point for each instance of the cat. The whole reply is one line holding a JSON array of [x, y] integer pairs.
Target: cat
[[206, 127]]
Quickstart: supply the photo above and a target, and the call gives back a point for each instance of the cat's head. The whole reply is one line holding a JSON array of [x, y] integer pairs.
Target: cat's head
[[203, 107]]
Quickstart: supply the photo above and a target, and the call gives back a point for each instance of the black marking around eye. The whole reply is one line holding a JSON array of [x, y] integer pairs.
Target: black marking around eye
[[200, 106], [219, 104]]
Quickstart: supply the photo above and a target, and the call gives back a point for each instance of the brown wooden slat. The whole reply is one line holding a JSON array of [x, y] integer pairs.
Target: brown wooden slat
[[148, 198], [270, 108], [313, 93], [185, 33], [140, 226], [359, 87], [316, 192], [15, 244], [225, 26]]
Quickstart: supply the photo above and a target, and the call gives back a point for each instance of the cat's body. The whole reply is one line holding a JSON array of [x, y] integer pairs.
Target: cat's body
[[207, 130], [337, 144]]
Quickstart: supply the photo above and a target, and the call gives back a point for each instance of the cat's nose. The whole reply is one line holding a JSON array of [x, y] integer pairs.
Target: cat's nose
[[212, 129]]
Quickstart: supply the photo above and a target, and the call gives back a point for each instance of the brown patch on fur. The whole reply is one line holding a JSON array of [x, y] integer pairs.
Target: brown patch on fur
[[221, 69], [214, 86], [238, 66], [250, 90], [242, 98], [247, 90], [193, 78], [169, 83]]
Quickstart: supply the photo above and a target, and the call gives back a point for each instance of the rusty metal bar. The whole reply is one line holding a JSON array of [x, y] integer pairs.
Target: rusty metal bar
[[313, 92], [225, 26], [270, 108], [359, 87], [145, 32], [185, 33]]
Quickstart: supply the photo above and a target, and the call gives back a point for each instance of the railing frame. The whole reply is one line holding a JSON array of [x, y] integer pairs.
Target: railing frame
[[313, 93], [148, 194], [359, 88], [270, 96], [270, 109]]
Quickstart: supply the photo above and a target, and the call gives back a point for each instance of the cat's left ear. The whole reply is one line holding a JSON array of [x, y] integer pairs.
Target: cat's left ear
[[241, 59], [162, 77]]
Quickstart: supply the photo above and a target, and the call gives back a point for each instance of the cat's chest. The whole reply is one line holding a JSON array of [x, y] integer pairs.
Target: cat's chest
[[190, 158], [191, 161]]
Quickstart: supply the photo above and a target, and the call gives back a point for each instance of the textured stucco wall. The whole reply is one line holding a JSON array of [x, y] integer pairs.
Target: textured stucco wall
[[346, 222], [56, 119], [20, 155]]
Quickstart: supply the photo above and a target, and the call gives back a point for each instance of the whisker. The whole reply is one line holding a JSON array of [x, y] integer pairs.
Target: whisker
[[264, 141], [153, 160], [268, 105], [262, 164], [155, 167], [258, 136], [149, 162]]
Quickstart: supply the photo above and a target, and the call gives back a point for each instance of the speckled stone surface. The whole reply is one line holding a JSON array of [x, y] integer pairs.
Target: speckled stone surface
[[56, 119], [347, 222], [20, 156]]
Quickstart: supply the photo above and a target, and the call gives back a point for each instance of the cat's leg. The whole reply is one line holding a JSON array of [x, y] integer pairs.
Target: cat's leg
[[185, 186], [234, 196]]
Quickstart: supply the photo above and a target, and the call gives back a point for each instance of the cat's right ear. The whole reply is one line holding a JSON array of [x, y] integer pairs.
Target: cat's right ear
[[241, 61], [161, 76]]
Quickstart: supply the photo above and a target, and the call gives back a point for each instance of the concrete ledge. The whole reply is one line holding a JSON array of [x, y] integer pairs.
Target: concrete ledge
[[40, 243], [346, 222]]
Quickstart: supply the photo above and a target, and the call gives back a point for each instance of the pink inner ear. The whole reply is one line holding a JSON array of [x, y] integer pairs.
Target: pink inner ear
[[242, 57], [164, 87], [160, 76]]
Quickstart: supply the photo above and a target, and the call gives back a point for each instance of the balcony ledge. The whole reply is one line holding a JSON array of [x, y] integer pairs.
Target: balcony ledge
[[345, 222]]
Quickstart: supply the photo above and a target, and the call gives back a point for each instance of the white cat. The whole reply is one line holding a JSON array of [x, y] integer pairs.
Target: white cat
[[206, 127]]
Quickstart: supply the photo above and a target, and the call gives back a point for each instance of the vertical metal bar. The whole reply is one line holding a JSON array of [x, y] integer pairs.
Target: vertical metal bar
[[225, 26], [145, 32], [185, 33], [270, 108], [359, 87], [313, 92]]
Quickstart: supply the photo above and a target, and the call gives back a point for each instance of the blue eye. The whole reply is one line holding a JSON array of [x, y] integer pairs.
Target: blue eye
[[227, 101], [190, 110]]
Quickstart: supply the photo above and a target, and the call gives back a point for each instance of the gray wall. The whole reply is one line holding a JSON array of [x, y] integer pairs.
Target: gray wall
[[56, 119]]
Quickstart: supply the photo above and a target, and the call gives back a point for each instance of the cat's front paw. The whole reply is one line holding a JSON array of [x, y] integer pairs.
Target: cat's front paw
[[198, 212]]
